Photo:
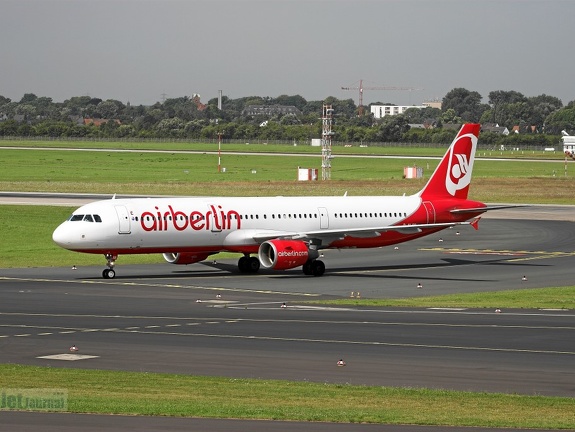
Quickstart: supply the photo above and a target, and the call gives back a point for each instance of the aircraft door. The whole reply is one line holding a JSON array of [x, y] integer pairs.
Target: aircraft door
[[323, 218], [214, 219], [430, 210], [123, 220]]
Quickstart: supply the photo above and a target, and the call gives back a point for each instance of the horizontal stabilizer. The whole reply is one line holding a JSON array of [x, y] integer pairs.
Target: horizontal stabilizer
[[484, 209]]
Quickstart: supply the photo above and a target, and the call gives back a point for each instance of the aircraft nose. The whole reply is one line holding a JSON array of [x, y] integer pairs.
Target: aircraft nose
[[60, 236]]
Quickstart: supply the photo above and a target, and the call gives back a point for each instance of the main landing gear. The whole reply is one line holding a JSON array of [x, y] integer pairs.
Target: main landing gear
[[314, 267], [110, 273], [248, 264]]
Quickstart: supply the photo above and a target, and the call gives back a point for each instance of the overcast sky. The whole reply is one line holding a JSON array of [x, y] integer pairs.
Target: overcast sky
[[140, 51]]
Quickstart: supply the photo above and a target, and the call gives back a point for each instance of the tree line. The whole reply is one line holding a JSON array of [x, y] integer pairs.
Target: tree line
[[538, 119]]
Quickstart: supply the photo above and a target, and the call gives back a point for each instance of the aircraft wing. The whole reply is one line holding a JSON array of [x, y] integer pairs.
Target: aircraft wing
[[329, 235]]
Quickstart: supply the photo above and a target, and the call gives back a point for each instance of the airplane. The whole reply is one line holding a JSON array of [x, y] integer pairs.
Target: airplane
[[277, 233]]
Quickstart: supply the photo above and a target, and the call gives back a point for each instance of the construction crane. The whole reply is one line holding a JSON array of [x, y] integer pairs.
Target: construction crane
[[361, 88]]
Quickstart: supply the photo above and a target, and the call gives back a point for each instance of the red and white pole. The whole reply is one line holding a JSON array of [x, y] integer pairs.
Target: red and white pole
[[219, 152]]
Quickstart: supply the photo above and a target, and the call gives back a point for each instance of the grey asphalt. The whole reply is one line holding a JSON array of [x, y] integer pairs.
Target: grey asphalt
[[54, 422], [206, 319]]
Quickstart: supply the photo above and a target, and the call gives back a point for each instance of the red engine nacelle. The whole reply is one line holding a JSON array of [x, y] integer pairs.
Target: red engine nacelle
[[284, 254], [184, 258]]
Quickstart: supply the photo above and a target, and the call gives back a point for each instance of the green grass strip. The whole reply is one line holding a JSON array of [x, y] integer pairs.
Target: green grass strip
[[537, 298], [133, 393]]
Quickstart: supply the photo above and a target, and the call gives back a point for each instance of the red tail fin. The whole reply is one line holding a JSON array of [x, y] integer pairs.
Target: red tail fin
[[452, 176]]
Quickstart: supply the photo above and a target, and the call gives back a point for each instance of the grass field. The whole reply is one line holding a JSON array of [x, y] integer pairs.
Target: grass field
[[131, 393]]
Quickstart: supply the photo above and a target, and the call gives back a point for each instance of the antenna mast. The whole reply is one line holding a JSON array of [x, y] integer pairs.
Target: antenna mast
[[326, 135]]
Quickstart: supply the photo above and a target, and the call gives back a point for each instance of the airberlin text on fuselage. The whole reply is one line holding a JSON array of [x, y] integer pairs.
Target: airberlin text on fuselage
[[214, 219]]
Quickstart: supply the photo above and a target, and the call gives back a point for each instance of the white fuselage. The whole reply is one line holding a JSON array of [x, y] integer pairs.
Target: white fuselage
[[211, 224]]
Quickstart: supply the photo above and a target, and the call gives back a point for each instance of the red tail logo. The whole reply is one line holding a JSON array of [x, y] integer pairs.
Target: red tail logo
[[453, 174]]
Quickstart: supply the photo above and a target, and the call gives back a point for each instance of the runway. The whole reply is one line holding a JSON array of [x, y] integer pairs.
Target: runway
[[206, 319]]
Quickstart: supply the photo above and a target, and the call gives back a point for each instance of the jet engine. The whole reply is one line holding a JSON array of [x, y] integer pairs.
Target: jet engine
[[184, 258], [285, 254]]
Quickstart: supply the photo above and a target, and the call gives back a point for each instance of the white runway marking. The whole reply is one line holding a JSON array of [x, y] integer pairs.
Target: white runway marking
[[151, 285], [68, 357]]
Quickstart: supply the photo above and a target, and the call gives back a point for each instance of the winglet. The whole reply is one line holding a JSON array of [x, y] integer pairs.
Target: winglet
[[475, 223]]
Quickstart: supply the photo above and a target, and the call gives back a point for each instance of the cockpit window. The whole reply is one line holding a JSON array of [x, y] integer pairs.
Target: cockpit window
[[86, 218]]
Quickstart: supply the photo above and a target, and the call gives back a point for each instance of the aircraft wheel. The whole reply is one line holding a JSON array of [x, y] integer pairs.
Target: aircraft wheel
[[243, 264], [318, 268], [108, 274], [253, 265], [307, 268]]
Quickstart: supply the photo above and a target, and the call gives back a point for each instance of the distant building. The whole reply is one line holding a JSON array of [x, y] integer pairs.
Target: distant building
[[380, 111], [427, 124], [270, 110], [196, 100], [451, 126], [524, 129], [494, 128], [568, 144], [432, 104]]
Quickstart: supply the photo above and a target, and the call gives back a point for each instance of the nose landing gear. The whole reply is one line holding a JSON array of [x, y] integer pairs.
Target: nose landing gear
[[110, 273]]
